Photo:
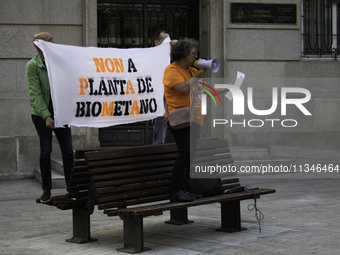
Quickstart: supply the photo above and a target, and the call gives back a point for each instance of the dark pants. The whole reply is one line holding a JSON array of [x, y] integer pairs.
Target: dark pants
[[186, 141], [64, 138], [159, 130]]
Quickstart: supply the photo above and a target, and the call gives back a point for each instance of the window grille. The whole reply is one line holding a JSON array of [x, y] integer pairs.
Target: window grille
[[127, 24], [320, 21]]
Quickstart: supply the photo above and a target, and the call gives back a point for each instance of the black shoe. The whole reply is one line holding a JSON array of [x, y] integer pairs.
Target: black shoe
[[46, 196], [197, 196], [180, 196]]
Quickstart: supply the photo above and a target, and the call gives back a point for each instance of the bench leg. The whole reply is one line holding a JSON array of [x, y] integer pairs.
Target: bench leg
[[230, 217], [81, 226], [133, 235], [179, 217]]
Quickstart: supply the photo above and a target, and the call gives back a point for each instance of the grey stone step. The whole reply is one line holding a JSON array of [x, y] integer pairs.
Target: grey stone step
[[57, 165], [249, 153], [58, 180], [264, 162]]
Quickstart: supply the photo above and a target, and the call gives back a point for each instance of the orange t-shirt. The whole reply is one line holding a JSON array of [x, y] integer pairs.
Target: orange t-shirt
[[173, 75]]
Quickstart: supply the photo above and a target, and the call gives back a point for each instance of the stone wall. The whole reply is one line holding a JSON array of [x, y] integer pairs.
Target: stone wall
[[70, 22]]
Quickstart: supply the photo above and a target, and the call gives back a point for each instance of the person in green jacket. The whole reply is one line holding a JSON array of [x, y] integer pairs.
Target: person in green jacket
[[42, 117]]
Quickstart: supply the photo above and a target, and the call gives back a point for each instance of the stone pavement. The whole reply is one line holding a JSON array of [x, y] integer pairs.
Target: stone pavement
[[302, 217]]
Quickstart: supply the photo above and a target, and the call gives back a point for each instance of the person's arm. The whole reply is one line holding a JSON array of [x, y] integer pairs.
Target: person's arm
[[184, 87], [35, 92]]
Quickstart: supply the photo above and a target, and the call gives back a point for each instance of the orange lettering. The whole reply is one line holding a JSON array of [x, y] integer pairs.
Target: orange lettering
[[110, 64], [83, 81], [108, 111], [134, 108], [119, 65], [107, 65], [129, 87], [99, 64]]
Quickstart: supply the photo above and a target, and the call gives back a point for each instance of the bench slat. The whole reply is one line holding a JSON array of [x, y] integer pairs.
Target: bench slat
[[78, 181], [79, 169], [133, 202], [127, 152], [132, 160], [77, 195], [231, 180], [75, 176], [133, 195], [78, 188], [80, 153], [131, 180], [130, 187], [131, 174], [109, 169], [72, 204]]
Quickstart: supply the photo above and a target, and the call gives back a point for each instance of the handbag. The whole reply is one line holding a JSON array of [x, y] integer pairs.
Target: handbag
[[206, 187], [181, 118]]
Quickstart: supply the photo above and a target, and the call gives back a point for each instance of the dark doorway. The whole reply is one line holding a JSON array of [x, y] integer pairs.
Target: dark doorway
[[130, 24]]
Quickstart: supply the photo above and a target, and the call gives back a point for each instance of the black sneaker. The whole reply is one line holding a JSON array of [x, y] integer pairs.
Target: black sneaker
[[197, 196], [180, 196], [46, 196]]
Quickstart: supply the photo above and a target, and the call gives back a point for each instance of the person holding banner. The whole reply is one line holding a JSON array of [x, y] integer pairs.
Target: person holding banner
[[42, 117], [159, 124], [176, 81]]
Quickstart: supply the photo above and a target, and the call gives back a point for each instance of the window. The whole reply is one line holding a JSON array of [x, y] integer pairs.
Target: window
[[126, 24], [320, 21]]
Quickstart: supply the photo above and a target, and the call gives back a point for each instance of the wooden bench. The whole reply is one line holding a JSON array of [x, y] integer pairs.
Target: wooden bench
[[133, 183]]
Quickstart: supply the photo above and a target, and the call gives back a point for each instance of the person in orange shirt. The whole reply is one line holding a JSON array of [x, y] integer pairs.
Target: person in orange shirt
[[177, 92]]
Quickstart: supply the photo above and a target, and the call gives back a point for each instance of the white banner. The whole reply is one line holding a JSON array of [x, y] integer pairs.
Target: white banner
[[100, 87]]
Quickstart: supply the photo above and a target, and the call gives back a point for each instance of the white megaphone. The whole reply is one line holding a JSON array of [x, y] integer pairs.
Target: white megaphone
[[213, 64]]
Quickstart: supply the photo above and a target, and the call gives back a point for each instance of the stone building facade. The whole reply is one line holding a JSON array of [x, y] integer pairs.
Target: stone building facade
[[270, 54]]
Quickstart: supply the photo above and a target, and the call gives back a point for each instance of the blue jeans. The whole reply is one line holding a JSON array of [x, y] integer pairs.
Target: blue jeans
[[186, 141], [159, 130], [64, 138]]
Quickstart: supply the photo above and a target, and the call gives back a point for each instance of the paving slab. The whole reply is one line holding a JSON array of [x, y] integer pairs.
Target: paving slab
[[302, 217]]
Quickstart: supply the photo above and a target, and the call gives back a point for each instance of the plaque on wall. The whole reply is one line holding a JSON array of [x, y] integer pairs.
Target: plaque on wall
[[253, 13]]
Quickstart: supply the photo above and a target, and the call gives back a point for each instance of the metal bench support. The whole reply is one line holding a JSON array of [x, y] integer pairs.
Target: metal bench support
[[230, 217], [133, 235], [179, 217], [81, 226]]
